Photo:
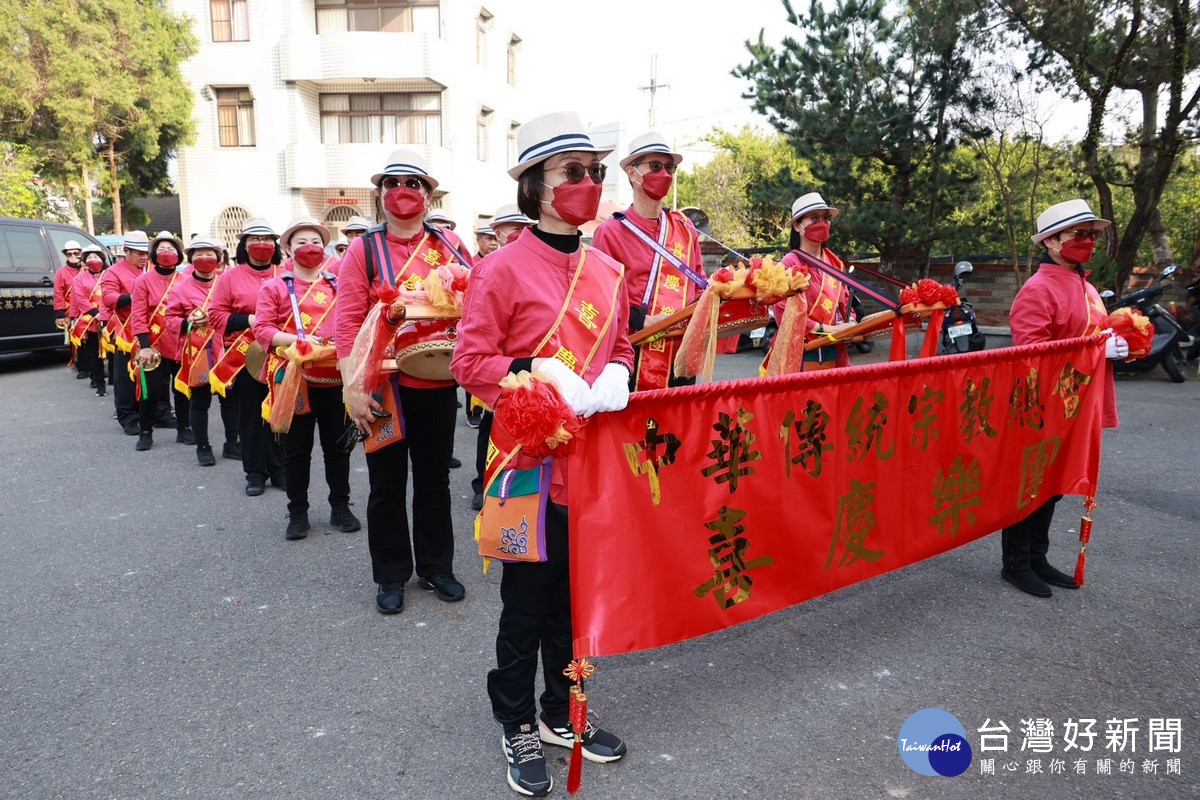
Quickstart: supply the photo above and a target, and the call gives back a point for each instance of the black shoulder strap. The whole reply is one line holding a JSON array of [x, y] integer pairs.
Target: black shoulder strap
[[369, 252]]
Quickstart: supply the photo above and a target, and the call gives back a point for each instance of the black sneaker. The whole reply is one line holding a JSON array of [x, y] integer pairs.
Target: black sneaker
[[297, 525], [255, 485], [477, 501], [101, 392], [390, 598], [526, 762], [446, 586], [204, 455], [132, 428], [344, 520], [232, 450], [185, 436], [279, 479], [474, 418], [454, 462], [145, 441], [598, 744]]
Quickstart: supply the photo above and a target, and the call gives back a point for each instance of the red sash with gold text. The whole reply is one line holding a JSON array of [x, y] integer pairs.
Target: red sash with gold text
[[315, 305], [196, 356], [668, 295]]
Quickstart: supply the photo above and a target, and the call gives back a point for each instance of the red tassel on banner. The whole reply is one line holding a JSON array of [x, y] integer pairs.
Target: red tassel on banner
[[1085, 536], [578, 714], [899, 341], [929, 346]]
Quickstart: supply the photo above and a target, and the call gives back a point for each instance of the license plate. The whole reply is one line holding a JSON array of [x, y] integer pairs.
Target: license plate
[[955, 331], [758, 333]]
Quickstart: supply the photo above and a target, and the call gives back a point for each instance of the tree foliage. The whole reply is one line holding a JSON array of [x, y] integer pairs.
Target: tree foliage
[[94, 87]]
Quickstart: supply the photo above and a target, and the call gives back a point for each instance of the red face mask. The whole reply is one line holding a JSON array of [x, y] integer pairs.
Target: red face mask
[[512, 236], [817, 231], [204, 264], [404, 202], [577, 203], [94, 264], [1077, 251], [261, 251], [309, 256], [168, 259], [657, 184]]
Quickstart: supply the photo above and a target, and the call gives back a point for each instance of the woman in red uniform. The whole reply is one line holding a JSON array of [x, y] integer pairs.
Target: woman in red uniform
[[231, 313], [305, 287], [1057, 302], [200, 346], [514, 320], [402, 253], [828, 298], [84, 312], [148, 324]]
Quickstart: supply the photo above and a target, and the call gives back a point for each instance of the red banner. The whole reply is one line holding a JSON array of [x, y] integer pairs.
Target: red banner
[[699, 508]]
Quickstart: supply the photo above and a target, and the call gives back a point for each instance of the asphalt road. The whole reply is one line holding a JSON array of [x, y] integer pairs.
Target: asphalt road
[[161, 639]]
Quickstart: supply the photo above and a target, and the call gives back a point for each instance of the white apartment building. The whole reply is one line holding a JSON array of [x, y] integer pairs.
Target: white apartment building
[[299, 102]]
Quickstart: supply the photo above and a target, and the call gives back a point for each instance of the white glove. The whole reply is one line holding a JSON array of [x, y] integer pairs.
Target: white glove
[[574, 389], [1116, 348], [611, 388]]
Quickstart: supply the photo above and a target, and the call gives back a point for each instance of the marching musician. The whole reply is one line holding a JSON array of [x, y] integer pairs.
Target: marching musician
[[200, 347], [72, 251], [355, 227], [828, 299], [402, 253], [524, 311], [1057, 302], [661, 253], [485, 241], [300, 303], [231, 313], [156, 352], [117, 297], [508, 222], [85, 311]]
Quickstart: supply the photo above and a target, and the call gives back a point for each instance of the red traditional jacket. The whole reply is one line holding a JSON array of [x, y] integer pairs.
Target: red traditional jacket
[[828, 299], [237, 293], [63, 279], [1057, 302], [148, 314], [85, 296]]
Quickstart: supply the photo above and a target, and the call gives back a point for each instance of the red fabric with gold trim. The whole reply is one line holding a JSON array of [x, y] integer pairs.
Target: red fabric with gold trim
[[703, 507]]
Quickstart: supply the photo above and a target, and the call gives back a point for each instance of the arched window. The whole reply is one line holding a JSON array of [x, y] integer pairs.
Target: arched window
[[229, 224], [336, 218]]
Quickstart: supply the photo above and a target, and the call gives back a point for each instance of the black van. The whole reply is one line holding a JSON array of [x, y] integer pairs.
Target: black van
[[30, 254]]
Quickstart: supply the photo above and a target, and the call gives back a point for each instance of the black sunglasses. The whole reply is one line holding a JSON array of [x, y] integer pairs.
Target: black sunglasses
[[656, 166], [416, 184], [576, 172]]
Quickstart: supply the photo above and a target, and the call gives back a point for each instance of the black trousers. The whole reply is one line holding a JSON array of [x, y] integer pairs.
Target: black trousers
[[429, 417], [535, 615], [328, 414], [481, 446], [160, 385], [123, 396], [87, 358], [261, 453], [198, 408], [1025, 544]]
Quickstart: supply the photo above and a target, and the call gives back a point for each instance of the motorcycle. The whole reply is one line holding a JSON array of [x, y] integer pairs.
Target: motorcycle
[[1169, 335], [960, 332]]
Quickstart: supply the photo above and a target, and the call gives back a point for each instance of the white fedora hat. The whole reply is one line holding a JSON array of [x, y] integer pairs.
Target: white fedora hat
[[485, 230], [305, 222], [1067, 214], [439, 216], [544, 136], [200, 243], [257, 226], [647, 143], [136, 240], [167, 236], [405, 162], [811, 202], [356, 223], [510, 213], [71, 244]]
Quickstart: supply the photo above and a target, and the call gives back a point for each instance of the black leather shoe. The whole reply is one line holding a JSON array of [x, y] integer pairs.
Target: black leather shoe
[[445, 586], [454, 463], [344, 520], [298, 526], [145, 441], [131, 428], [166, 421], [232, 450], [477, 501], [255, 485], [279, 480], [81, 375], [390, 599], [1052, 576], [185, 436], [204, 455], [1027, 582]]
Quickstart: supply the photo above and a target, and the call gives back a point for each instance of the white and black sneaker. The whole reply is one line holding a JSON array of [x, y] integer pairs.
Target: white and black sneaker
[[526, 762], [598, 744]]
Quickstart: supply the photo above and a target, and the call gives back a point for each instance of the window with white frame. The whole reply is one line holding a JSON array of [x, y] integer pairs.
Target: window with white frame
[[482, 25], [513, 127], [387, 118], [482, 124], [230, 20], [514, 44], [389, 16], [235, 117]]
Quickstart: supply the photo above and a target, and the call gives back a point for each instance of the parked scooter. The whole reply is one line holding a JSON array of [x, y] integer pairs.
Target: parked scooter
[[960, 333], [1169, 335]]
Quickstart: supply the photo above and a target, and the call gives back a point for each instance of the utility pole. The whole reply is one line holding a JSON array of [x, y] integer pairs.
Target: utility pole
[[654, 86]]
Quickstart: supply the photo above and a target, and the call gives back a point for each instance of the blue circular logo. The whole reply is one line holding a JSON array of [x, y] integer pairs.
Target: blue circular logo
[[933, 742]]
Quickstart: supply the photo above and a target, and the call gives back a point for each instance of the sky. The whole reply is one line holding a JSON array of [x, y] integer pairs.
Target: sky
[[612, 43]]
